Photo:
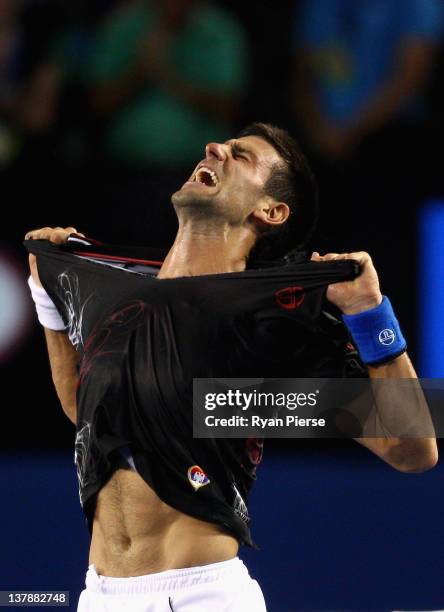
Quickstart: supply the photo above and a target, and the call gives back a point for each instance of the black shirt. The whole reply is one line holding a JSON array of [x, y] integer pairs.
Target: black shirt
[[142, 340]]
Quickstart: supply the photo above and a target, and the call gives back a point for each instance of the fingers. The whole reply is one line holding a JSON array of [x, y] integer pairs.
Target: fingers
[[54, 234], [58, 235], [38, 233], [360, 256], [330, 256]]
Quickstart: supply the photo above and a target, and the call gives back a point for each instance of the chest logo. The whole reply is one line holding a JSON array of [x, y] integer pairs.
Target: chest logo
[[290, 297], [197, 477]]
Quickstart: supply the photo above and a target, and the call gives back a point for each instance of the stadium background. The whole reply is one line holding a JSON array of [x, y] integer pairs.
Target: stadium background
[[337, 529]]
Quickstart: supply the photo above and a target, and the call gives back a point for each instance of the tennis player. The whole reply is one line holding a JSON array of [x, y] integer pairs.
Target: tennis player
[[167, 513]]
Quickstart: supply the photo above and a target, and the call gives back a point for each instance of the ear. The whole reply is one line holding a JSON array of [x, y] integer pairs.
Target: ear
[[270, 213]]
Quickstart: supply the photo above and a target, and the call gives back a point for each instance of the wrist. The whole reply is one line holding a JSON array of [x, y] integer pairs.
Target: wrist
[[36, 284], [47, 312], [376, 333], [363, 305]]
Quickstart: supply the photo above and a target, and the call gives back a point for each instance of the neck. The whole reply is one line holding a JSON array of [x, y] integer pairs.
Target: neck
[[201, 248]]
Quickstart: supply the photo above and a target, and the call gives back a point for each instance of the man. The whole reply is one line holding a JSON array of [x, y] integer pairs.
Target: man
[[360, 67], [166, 74], [162, 546]]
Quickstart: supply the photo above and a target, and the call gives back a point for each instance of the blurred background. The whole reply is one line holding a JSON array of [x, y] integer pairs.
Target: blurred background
[[105, 109]]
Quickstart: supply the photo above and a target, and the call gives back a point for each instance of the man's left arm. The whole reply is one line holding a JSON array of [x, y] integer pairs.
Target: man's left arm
[[362, 297]]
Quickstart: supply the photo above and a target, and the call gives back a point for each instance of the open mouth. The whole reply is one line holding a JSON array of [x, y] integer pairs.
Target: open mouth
[[207, 177]]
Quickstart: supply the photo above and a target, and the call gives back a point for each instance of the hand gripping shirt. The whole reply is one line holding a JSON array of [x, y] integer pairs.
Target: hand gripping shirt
[[142, 340]]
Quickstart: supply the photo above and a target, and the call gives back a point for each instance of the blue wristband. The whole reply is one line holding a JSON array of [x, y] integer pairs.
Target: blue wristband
[[376, 333]]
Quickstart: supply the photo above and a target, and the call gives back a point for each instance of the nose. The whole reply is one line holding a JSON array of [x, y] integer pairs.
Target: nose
[[214, 149]]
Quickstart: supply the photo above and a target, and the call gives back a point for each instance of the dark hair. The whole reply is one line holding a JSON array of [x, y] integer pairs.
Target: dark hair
[[292, 182]]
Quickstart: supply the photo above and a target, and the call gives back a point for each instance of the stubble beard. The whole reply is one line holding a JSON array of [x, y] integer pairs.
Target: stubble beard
[[197, 206]]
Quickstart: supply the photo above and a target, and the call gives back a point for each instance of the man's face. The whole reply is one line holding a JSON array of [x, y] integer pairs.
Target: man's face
[[229, 182]]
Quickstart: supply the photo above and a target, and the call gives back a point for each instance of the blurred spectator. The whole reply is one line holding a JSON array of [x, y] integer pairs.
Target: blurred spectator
[[361, 73], [361, 65], [11, 70], [27, 84], [166, 77], [163, 78], [69, 54]]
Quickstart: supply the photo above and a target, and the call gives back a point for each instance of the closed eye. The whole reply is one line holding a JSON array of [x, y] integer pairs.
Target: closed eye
[[237, 152]]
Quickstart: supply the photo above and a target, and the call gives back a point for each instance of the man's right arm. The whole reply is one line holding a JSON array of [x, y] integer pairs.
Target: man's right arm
[[63, 357]]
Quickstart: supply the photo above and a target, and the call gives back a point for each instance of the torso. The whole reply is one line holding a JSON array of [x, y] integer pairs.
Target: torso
[[135, 533]]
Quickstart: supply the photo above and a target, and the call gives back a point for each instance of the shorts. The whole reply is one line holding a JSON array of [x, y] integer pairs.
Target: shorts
[[226, 586]]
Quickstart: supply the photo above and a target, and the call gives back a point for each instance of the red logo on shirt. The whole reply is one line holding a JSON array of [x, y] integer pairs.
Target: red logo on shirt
[[197, 477], [290, 297]]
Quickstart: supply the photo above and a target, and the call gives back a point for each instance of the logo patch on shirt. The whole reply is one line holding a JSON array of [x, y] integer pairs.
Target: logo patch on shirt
[[197, 477], [290, 297]]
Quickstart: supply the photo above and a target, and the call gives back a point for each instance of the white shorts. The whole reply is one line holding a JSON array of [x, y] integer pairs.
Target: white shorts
[[225, 586]]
